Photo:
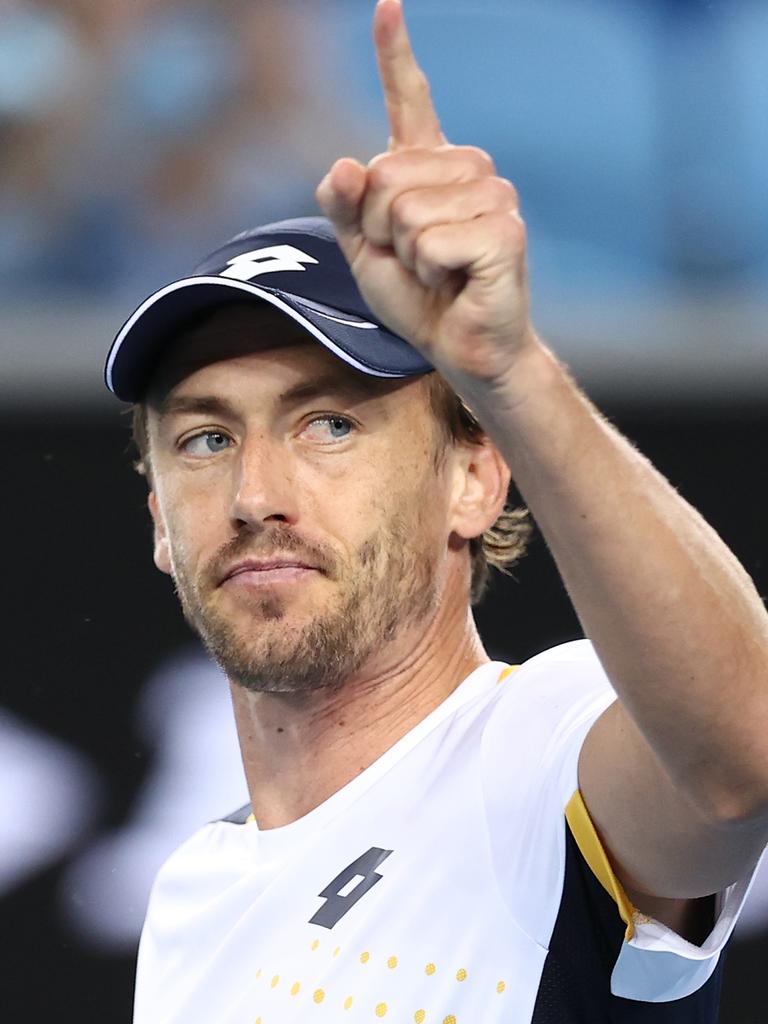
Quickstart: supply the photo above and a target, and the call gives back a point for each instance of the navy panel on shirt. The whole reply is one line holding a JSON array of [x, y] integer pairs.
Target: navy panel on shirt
[[576, 980]]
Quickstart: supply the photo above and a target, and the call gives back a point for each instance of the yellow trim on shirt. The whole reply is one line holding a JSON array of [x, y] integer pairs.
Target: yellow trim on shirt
[[588, 842], [507, 672]]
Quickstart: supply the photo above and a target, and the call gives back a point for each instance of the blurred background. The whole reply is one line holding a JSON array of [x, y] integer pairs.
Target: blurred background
[[135, 136]]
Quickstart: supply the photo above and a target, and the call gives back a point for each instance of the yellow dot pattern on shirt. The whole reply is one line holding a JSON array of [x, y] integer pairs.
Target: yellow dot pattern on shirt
[[381, 1008], [314, 945]]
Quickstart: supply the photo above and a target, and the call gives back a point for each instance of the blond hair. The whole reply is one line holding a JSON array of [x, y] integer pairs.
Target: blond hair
[[503, 544]]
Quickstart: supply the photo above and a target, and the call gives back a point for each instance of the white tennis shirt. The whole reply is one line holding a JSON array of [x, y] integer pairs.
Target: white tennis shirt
[[456, 880]]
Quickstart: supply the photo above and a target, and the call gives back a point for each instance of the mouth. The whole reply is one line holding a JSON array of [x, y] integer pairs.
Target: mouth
[[259, 573]]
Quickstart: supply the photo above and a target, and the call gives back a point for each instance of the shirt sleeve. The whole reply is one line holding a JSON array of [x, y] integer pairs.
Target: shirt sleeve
[[537, 822], [654, 963], [528, 765]]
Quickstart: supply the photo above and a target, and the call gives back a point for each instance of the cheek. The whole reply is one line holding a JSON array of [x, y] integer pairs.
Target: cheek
[[193, 533], [415, 500]]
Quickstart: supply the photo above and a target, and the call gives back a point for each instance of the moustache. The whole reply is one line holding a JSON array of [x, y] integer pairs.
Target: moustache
[[280, 539]]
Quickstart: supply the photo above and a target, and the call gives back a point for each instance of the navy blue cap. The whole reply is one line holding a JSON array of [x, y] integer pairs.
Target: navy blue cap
[[300, 270]]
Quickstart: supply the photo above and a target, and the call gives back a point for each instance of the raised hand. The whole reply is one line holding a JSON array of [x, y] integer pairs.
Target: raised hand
[[433, 236]]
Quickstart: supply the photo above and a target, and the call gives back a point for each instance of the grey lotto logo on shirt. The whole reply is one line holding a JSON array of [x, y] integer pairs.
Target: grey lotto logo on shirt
[[339, 898]]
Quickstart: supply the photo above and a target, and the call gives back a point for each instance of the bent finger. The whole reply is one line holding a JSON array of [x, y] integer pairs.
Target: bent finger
[[415, 211], [491, 247], [391, 174]]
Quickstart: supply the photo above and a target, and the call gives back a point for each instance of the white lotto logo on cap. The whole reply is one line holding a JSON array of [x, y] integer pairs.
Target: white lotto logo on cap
[[272, 258]]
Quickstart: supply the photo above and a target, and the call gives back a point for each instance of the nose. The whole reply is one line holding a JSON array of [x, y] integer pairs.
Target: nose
[[264, 487]]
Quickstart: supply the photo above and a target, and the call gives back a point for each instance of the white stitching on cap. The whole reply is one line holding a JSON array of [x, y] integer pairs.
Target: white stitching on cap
[[251, 289]]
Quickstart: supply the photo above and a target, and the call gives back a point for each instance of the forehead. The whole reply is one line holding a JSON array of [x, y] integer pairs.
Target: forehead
[[239, 330]]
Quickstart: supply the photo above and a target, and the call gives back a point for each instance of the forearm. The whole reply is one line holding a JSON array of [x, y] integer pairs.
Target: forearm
[[675, 619]]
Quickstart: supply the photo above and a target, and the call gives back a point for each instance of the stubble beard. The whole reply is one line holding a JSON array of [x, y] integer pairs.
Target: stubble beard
[[386, 585]]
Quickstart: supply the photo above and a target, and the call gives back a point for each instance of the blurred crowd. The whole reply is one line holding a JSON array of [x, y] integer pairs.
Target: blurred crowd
[[135, 135]]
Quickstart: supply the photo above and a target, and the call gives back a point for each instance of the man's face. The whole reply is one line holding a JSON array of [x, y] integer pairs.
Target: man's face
[[299, 505]]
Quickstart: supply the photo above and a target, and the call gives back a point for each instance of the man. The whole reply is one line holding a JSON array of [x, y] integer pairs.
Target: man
[[433, 836]]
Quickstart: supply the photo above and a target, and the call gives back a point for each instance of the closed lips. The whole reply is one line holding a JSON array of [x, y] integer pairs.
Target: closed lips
[[265, 566]]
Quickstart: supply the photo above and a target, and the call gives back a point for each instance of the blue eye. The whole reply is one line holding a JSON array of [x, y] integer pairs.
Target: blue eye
[[338, 427], [333, 428], [210, 442]]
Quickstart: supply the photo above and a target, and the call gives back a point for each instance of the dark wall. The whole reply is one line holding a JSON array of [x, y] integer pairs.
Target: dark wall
[[86, 616]]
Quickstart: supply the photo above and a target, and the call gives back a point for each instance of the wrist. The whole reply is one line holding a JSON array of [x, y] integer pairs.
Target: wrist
[[533, 371]]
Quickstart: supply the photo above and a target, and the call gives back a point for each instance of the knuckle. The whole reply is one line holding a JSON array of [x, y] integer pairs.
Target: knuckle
[[427, 248], [518, 224], [388, 170], [375, 225], [381, 172], [404, 210], [480, 161], [512, 228], [504, 231], [505, 191]]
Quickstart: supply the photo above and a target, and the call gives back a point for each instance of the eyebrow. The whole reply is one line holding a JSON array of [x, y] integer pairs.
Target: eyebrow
[[201, 404], [328, 384]]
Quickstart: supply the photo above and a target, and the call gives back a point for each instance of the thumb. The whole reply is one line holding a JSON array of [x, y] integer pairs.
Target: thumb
[[340, 196]]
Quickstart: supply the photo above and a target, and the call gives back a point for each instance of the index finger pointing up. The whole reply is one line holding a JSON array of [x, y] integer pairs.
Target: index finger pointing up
[[412, 118]]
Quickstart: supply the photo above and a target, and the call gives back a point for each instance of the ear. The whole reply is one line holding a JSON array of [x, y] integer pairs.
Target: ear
[[481, 484], [162, 547]]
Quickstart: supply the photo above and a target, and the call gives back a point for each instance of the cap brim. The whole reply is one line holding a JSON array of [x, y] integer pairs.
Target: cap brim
[[139, 345]]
